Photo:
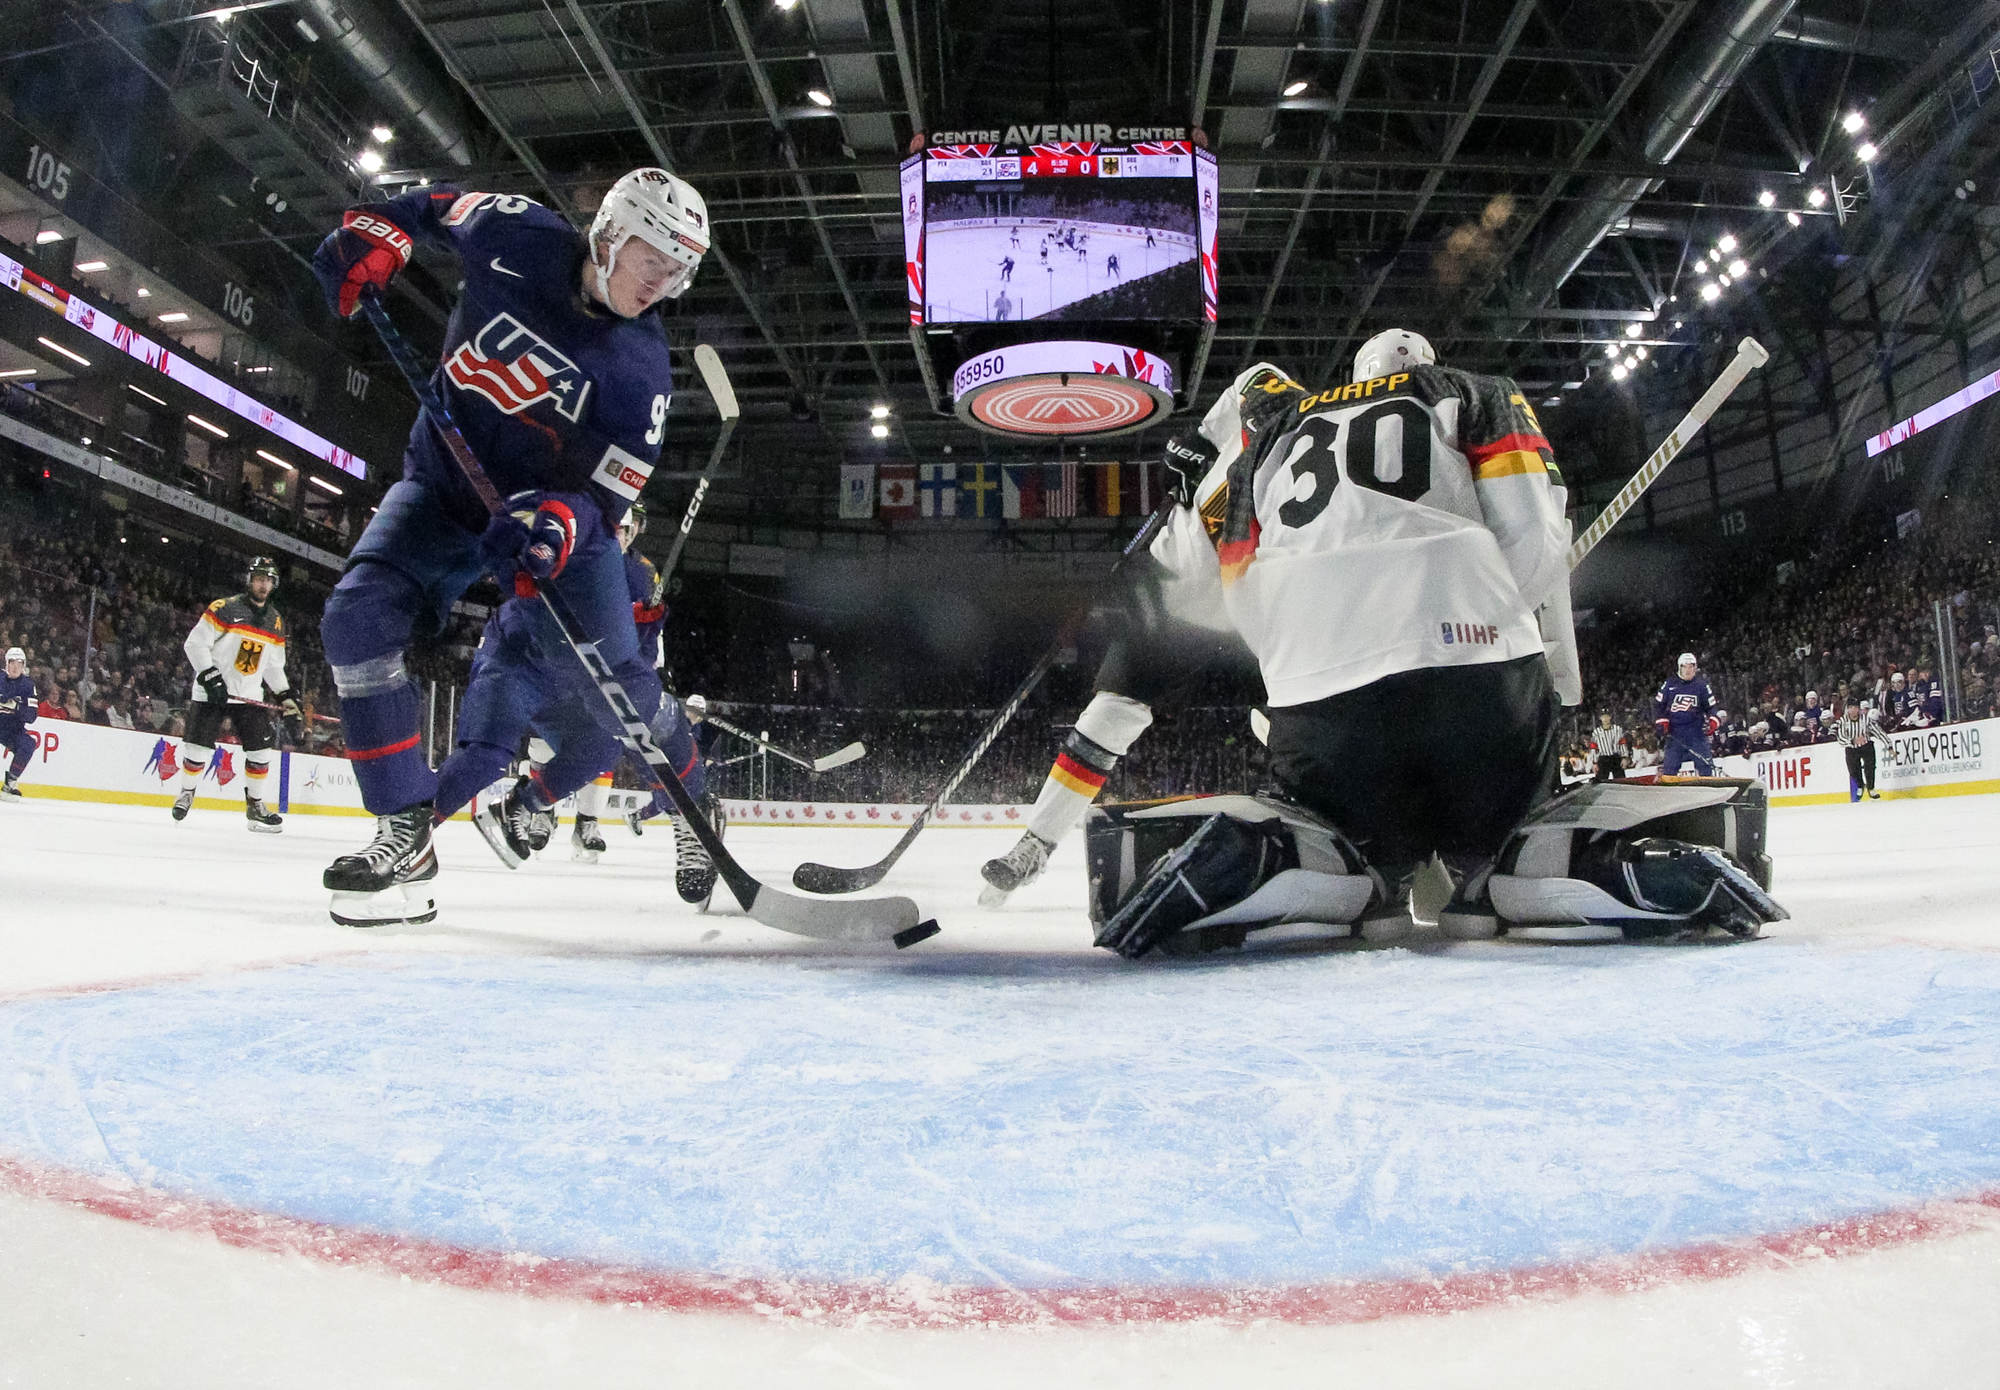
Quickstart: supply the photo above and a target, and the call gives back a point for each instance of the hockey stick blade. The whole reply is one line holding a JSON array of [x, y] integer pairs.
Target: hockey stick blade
[[840, 757], [830, 878], [716, 380], [870, 919]]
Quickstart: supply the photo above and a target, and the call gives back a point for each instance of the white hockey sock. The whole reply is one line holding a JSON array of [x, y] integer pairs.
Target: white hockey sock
[[256, 776], [194, 762], [590, 797], [1105, 731]]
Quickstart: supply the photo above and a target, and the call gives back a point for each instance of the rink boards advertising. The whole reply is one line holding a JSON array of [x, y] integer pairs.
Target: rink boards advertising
[[1101, 222], [1950, 760]]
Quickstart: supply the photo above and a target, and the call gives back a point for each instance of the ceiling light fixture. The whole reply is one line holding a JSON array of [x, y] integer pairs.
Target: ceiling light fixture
[[75, 357], [323, 485], [273, 458], [1866, 151], [218, 431], [371, 161], [48, 236], [1619, 371], [879, 431], [1633, 330], [1816, 196], [819, 98], [1767, 199], [1794, 219], [1852, 122], [383, 134], [144, 392], [1726, 243], [878, 411], [1711, 292], [90, 267], [19, 371], [177, 316], [1292, 89]]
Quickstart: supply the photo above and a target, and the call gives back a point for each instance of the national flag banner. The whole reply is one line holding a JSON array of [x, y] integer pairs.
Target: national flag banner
[[1141, 489], [937, 489], [1106, 498], [1021, 491], [897, 488], [977, 484], [1059, 488], [857, 491]]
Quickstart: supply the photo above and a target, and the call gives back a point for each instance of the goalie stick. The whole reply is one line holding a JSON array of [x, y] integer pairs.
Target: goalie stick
[[1750, 355], [724, 395], [839, 757], [871, 919], [828, 878]]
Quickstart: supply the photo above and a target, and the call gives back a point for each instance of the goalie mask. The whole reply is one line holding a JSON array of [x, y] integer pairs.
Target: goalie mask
[[661, 210], [1393, 350]]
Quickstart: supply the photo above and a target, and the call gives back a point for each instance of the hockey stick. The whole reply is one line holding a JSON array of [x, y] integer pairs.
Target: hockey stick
[[872, 919], [826, 878], [840, 757], [717, 382], [280, 709], [1750, 355]]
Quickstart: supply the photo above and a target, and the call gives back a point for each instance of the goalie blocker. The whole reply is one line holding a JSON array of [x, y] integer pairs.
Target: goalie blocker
[[1603, 862]]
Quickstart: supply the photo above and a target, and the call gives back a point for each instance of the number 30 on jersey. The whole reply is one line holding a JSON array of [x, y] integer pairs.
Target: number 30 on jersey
[[1384, 446]]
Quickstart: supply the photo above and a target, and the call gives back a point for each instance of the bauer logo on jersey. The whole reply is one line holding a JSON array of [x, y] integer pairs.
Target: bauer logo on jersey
[[622, 473], [513, 368]]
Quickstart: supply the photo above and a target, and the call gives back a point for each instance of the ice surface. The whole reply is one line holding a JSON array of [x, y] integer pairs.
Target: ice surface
[[572, 1063]]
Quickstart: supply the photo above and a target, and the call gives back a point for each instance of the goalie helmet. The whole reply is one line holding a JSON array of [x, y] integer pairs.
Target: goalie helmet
[[264, 565], [661, 210], [632, 526], [1392, 350]]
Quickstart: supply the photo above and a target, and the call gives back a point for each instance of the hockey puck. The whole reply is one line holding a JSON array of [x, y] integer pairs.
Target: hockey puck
[[922, 931]]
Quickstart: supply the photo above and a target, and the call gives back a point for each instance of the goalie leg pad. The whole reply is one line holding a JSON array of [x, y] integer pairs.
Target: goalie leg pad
[[1294, 869], [1614, 861], [1223, 863]]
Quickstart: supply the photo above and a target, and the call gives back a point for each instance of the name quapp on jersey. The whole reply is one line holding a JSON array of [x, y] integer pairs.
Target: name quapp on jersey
[[508, 364]]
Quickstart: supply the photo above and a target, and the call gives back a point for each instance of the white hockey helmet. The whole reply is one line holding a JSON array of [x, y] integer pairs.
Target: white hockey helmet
[[16, 654], [1392, 350], [697, 707], [1687, 659], [632, 525], [1895, 678], [1812, 697], [662, 210]]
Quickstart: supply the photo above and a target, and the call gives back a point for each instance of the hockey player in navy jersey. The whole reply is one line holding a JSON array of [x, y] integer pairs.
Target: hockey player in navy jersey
[[1686, 712], [558, 377], [17, 712]]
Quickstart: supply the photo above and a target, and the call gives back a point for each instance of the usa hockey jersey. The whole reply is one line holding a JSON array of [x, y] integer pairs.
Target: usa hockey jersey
[[17, 704], [553, 392], [1686, 706], [243, 640], [1415, 520]]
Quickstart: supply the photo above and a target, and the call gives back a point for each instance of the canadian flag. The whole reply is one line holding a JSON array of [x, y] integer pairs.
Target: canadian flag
[[898, 484]]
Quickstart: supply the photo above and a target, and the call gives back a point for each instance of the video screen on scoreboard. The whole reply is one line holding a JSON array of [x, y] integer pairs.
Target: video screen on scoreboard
[[1077, 230]]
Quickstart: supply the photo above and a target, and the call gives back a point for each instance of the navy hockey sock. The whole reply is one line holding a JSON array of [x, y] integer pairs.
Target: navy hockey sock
[[387, 750], [473, 766]]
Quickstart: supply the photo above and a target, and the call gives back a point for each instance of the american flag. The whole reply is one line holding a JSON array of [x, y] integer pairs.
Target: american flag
[[1059, 489]]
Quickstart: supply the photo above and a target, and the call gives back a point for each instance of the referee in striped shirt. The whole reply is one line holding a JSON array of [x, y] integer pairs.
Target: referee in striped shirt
[[1859, 730], [1608, 744]]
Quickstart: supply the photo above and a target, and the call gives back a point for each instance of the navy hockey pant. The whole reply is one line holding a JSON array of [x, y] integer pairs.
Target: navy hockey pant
[[1681, 748], [22, 746], [409, 567]]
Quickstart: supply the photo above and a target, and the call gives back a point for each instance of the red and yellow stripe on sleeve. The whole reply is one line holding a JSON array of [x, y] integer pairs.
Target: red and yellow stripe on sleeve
[[1508, 455]]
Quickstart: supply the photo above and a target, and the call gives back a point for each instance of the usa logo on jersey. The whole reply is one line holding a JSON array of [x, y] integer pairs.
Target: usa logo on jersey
[[508, 364], [1681, 703]]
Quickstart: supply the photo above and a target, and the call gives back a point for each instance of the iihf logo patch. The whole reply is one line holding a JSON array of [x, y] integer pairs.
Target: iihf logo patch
[[511, 366]]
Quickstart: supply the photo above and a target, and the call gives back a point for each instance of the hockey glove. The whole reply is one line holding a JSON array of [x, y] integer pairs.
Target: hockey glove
[[1713, 725], [363, 254], [212, 686], [1189, 459], [529, 540], [294, 717], [1664, 726]]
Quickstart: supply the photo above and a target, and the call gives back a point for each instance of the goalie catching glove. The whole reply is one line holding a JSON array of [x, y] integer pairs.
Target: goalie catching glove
[[363, 253], [529, 540]]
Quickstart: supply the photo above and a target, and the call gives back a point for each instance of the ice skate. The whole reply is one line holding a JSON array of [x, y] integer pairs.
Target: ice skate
[[1017, 868], [383, 884], [586, 840], [184, 803], [10, 790], [262, 818], [694, 871], [515, 830]]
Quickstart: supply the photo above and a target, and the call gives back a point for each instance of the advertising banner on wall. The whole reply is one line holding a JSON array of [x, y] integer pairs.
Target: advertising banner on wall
[[1951, 760]]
